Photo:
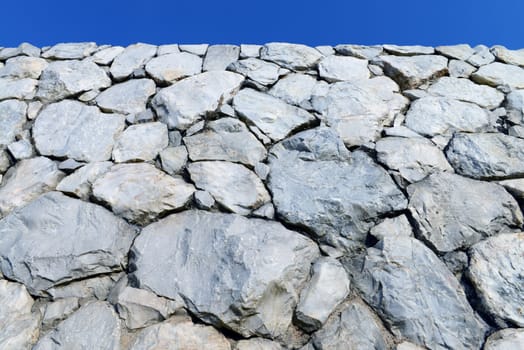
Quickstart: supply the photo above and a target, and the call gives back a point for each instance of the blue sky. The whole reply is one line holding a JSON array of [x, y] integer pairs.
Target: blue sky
[[326, 22]]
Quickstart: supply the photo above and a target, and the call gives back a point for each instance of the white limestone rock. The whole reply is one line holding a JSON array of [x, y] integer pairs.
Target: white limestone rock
[[409, 50], [232, 185], [79, 183], [359, 51], [515, 57], [74, 130], [196, 49], [187, 101], [460, 69], [481, 57], [70, 51], [249, 50], [391, 227], [262, 72], [291, 56], [140, 142], [133, 57], [295, 89], [257, 344], [339, 68], [218, 57], [23, 67], [105, 56], [140, 193], [174, 66], [411, 72], [506, 339], [22, 149], [173, 159], [498, 73], [129, 97], [459, 52], [21, 89], [24, 49], [12, 120]]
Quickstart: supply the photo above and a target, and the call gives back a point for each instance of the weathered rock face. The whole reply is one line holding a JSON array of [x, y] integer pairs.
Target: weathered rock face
[[250, 270], [261, 197]]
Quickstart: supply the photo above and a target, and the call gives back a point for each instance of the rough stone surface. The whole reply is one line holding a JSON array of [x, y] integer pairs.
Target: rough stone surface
[[185, 102], [417, 296], [506, 339], [56, 239], [496, 270], [291, 56], [446, 209], [486, 156], [339, 68], [128, 97], [139, 192], [397, 226], [260, 71], [140, 142], [23, 67], [236, 188], [295, 89], [12, 120], [258, 344], [218, 57], [22, 89], [497, 73], [79, 183], [133, 57], [173, 159], [174, 66], [411, 72], [252, 294]]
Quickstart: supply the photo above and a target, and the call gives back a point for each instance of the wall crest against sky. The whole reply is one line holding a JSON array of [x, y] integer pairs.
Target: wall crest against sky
[[261, 197]]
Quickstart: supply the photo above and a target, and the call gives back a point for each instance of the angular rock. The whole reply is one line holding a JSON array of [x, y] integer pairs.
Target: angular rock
[[432, 116], [12, 120], [329, 285], [21, 89], [174, 66], [417, 296], [274, 117], [19, 328], [173, 159], [105, 56], [247, 50], [218, 57], [459, 52], [409, 50], [339, 68], [251, 268], [295, 89], [360, 51], [481, 57], [515, 187], [486, 156], [258, 344], [140, 193], [141, 308], [56, 239], [260, 71], [505, 339], [179, 336], [196, 49], [495, 270], [397, 226], [61, 79], [515, 105], [460, 69], [232, 185], [87, 289], [358, 110], [354, 327], [57, 311], [24, 49], [23, 67], [74, 130], [167, 49], [448, 216], [128, 97], [185, 102], [22, 149], [79, 183], [515, 57], [140, 142], [411, 72], [497, 73], [204, 200], [226, 139], [24, 182], [413, 158], [94, 326], [309, 168], [70, 51], [467, 91], [133, 57], [291, 56]]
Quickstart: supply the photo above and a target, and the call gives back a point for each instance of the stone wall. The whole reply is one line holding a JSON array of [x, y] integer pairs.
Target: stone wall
[[261, 197]]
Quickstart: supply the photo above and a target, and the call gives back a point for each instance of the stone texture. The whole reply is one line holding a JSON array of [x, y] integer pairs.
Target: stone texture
[[411, 72], [139, 192], [179, 336], [74, 130], [486, 156], [173, 159], [409, 50], [70, 51], [453, 212], [174, 66], [24, 49], [62, 79], [495, 270], [295, 89], [27, 180], [12, 120], [329, 285], [128, 97], [226, 139], [56, 239], [467, 91], [185, 102], [260, 71], [140, 142], [397, 226], [432, 116], [106, 56], [459, 52], [79, 183], [258, 344], [515, 57], [308, 169], [274, 117], [21, 89], [93, 326], [506, 339], [413, 158], [515, 187], [218, 57], [291, 56], [339, 68], [417, 296], [19, 328], [23, 67], [251, 268], [133, 57], [237, 188], [497, 73], [460, 69]]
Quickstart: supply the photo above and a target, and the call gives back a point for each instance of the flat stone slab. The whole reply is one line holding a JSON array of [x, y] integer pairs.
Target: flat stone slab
[[141, 142], [411, 72], [12, 120], [253, 293], [291, 56], [128, 97], [56, 239], [175, 66], [498, 73], [73, 130], [133, 57]]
